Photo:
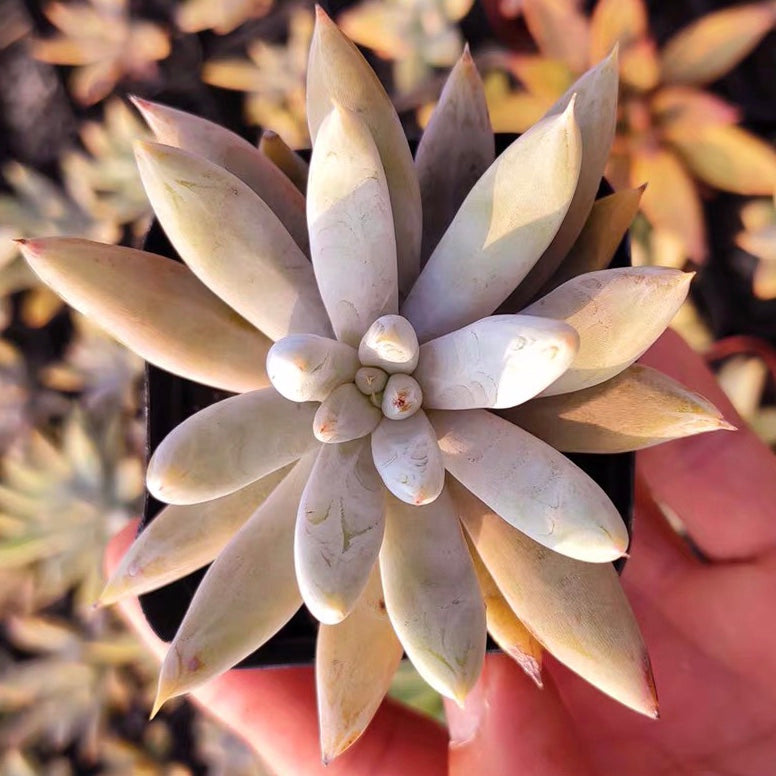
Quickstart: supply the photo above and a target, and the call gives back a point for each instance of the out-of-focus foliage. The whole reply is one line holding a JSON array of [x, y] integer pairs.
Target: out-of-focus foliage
[[759, 238], [410, 688], [221, 16], [417, 35], [273, 78], [104, 43]]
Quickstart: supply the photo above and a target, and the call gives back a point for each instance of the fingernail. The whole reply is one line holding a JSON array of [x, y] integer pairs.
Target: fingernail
[[465, 722]]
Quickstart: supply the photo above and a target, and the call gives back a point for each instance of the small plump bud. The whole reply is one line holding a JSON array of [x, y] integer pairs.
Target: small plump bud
[[402, 397], [370, 380]]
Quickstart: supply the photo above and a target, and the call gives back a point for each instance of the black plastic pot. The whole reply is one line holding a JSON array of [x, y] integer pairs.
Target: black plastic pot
[[171, 399]]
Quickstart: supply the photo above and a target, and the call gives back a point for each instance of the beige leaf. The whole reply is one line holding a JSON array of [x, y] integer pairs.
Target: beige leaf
[[156, 307], [390, 344], [638, 408], [344, 415], [285, 159], [228, 445], [530, 485], [432, 595]]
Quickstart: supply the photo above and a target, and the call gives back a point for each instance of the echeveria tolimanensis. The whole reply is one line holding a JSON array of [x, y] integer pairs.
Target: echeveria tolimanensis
[[387, 422]]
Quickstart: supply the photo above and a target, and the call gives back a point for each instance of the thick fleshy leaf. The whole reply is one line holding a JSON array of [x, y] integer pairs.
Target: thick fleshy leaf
[[499, 361], [530, 485], [726, 156], [432, 594], [714, 44], [228, 445], [408, 458], [505, 628], [507, 221], [560, 30], [618, 314], [352, 238], [338, 73], [670, 201], [402, 397], [259, 270], [344, 415], [391, 344], [285, 159], [578, 611], [607, 224], [306, 367], [456, 148], [339, 528], [355, 661], [156, 307], [247, 595], [182, 539], [595, 110], [228, 150], [613, 22], [638, 408]]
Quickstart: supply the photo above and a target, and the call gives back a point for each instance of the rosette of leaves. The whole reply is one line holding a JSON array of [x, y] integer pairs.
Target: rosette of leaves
[[758, 238], [273, 78], [103, 43], [670, 131], [376, 409], [417, 35]]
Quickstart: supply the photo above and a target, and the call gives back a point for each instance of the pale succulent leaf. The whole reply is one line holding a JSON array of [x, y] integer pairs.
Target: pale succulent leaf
[[306, 367], [253, 575], [173, 320], [339, 528], [352, 238], [229, 445], [182, 539], [344, 415], [456, 148], [637, 408], [432, 594], [259, 270], [499, 361], [530, 485], [288, 161], [235, 154], [402, 397], [355, 661], [338, 73], [408, 458], [504, 225], [577, 611], [618, 314], [391, 344]]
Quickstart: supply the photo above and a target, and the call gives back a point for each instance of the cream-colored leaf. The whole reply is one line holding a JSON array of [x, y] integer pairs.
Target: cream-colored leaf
[[432, 594], [618, 314], [228, 150], [594, 96], [499, 361], [402, 397], [352, 238], [577, 611], [259, 270], [338, 73], [456, 148], [246, 596], [306, 367], [156, 307], [355, 661], [714, 44], [616, 21], [228, 445], [560, 30], [408, 458], [182, 539], [344, 415], [503, 226], [339, 528], [285, 159], [391, 344], [530, 485], [638, 408]]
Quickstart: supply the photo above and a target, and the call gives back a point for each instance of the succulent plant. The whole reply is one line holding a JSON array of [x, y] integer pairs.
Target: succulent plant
[[759, 238], [670, 131], [417, 35], [385, 417], [104, 43], [273, 78]]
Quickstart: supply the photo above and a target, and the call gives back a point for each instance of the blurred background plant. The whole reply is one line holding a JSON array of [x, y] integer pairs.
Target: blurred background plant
[[697, 121]]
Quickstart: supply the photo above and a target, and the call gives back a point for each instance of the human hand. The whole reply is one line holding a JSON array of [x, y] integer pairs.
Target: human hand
[[707, 626]]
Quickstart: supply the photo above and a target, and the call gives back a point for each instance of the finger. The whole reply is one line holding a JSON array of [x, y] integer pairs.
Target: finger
[[722, 485], [508, 721], [274, 710]]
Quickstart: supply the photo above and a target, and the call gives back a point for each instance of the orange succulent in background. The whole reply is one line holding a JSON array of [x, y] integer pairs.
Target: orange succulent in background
[[759, 238], [670, 131], [221, 16]]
